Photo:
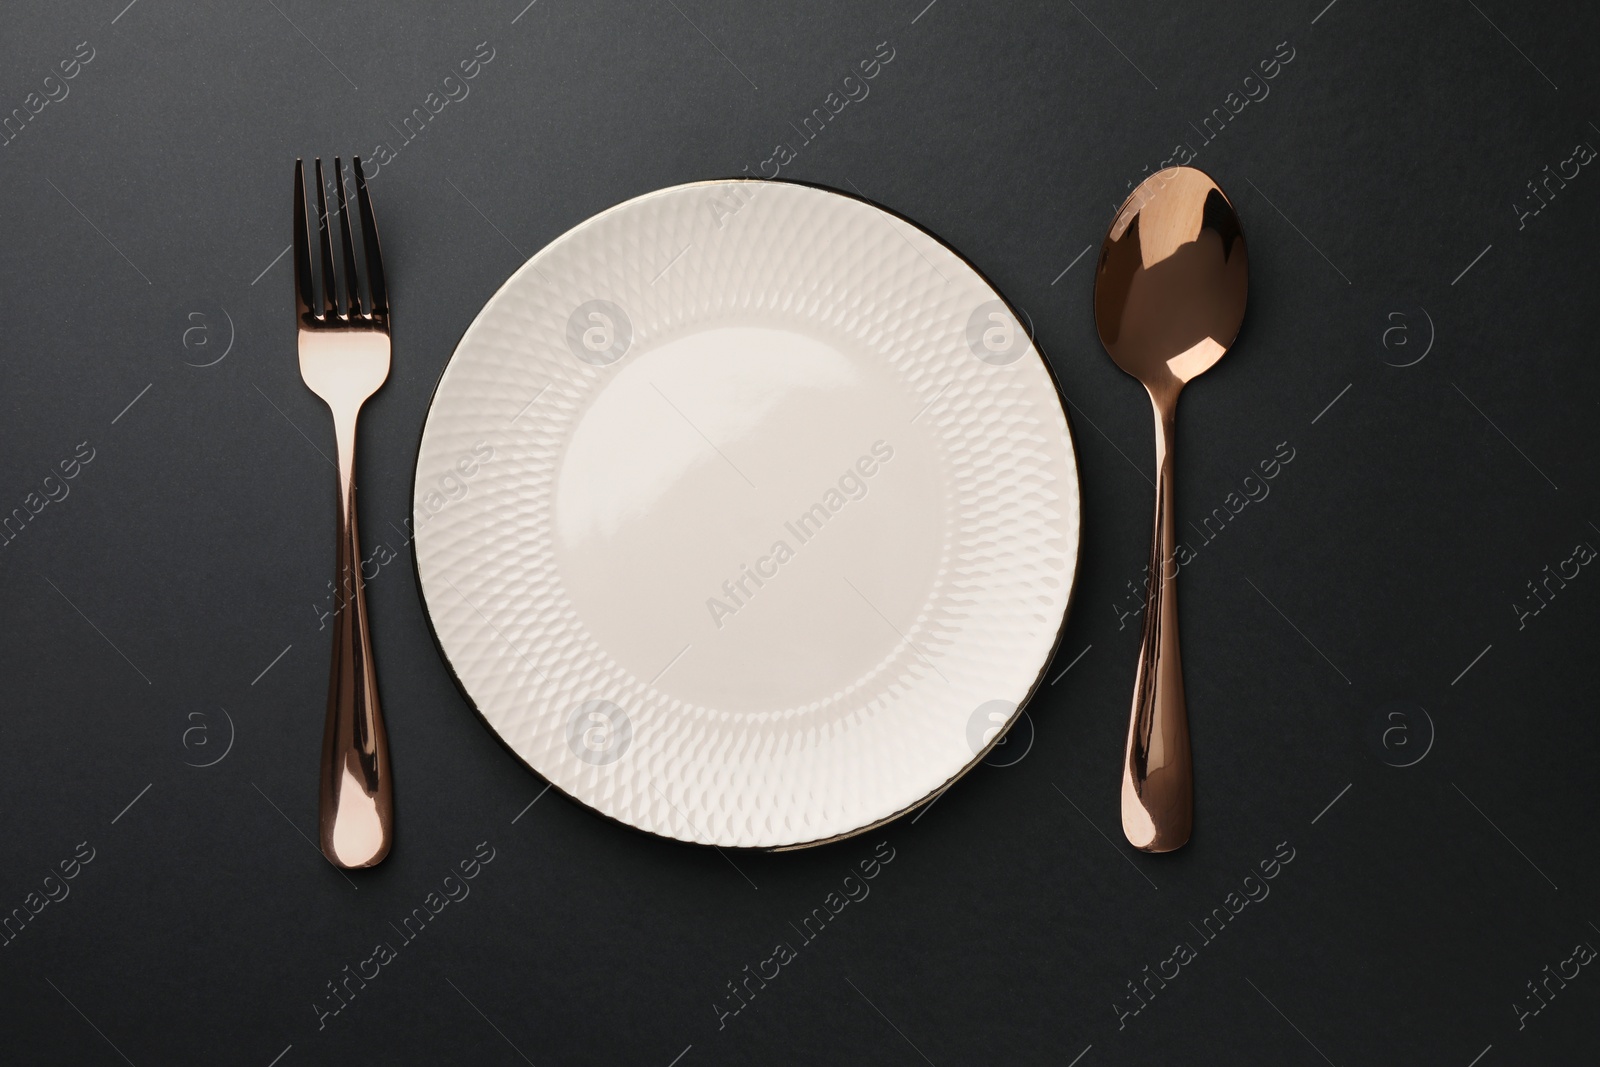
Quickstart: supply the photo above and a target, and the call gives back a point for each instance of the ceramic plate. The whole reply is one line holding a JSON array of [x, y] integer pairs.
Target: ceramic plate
[[747, 514]]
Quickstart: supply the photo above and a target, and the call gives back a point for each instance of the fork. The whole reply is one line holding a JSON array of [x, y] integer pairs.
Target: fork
[[344, 358]]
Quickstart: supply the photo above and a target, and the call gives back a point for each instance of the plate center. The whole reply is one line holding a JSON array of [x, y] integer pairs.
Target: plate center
[[748, 519]]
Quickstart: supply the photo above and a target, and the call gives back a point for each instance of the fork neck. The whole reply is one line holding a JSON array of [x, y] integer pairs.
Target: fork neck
[[344, 433]]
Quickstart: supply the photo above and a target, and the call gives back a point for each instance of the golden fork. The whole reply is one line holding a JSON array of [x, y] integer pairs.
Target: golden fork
[[344, 358]]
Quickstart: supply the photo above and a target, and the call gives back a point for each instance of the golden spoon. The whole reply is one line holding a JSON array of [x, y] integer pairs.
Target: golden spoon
[[1169, 295]]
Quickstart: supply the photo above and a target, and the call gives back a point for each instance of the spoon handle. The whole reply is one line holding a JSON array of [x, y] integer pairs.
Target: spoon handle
[[1157, 775]]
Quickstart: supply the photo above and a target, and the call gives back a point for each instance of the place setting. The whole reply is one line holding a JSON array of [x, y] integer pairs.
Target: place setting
[[747, 512], [762, 448]]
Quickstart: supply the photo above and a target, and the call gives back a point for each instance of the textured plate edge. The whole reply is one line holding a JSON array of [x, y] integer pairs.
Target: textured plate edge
[[1044, 666]]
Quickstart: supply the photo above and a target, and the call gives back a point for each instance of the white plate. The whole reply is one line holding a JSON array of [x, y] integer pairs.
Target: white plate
[[747, 514]]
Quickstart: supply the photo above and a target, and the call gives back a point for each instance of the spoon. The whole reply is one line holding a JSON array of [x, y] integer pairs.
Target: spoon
[[1169, 295]]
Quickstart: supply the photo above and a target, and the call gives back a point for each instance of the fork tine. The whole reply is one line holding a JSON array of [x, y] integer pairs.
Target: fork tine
[[369, 233], [302, 245], [352, 278], [330, 281]]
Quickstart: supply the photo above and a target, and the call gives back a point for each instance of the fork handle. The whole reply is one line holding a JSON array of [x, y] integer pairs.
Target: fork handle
[[1157, 774], [357, 798]]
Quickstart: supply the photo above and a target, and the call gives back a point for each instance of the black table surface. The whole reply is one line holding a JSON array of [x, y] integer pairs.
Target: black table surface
[[1389, 644]]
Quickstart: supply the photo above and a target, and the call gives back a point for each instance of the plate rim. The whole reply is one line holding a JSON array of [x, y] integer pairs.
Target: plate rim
[[1033, 687]]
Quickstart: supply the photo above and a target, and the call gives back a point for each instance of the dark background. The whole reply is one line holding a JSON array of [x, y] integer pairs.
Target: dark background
[[145, 610]]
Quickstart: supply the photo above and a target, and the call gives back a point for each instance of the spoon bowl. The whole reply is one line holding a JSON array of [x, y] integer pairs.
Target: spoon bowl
[[1169, 297], [1170, 291]]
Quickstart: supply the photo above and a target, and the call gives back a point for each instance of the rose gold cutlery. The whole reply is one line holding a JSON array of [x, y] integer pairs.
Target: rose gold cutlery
[[344, 358], [1168, 300]]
